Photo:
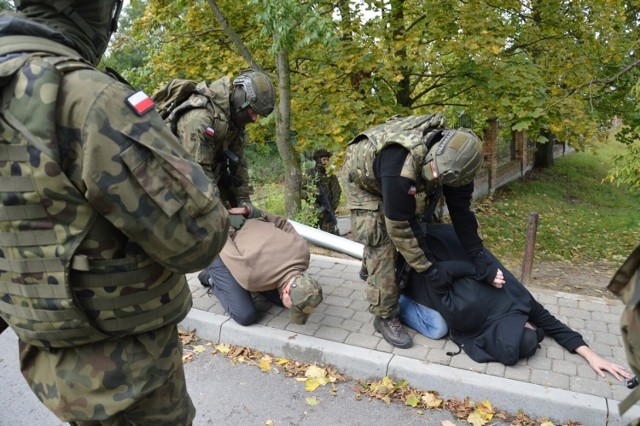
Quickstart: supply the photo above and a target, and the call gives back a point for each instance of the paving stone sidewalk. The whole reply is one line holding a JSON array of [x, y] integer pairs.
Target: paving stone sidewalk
[[343, 318]]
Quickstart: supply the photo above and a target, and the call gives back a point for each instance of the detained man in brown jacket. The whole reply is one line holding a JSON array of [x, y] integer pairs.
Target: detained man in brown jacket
[[263, 254]]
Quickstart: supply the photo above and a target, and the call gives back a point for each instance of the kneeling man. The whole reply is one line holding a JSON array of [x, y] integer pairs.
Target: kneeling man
[[263, 254]]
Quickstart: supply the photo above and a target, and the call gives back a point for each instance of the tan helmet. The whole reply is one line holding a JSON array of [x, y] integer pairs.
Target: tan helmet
[[88, 24], [259, 92], [457, 156]]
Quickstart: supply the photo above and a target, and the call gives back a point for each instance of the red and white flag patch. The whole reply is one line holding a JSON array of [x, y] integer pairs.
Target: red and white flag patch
[[140, 103]]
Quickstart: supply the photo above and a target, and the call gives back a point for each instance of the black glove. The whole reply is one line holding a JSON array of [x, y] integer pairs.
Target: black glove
[[486, 270], [236, 221], [438, 276], [254, 212]]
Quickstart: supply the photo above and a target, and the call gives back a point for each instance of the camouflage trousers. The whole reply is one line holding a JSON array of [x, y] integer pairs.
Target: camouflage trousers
[[136, 380], [325, 223], [379, 254]]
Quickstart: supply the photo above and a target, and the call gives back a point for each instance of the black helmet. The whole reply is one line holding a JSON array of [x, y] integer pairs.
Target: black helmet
[[321, 153], [256, 91], [87, 24]]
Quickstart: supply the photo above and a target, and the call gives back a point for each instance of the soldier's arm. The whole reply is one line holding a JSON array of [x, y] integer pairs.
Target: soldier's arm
[[192, 127], [241, 170], [398, 194], [140, 178], [464, 221]]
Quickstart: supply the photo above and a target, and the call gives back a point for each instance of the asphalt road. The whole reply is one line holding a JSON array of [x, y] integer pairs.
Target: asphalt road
[[225, 394]]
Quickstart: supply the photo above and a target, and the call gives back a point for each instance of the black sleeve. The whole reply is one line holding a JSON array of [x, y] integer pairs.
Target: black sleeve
[[398, 199], [561, 333], [464, 221], [398, 193]]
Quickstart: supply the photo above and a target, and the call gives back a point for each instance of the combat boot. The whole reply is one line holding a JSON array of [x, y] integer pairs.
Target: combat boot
[[203, 277], [393, 332]]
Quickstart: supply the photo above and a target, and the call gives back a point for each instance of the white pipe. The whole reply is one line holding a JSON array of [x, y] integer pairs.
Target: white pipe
[[327, 240]]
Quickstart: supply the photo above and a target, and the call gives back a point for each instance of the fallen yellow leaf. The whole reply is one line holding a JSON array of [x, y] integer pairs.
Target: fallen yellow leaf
[[476, 419], [223, 349], [315, 371], [265, 364], [311, 385]]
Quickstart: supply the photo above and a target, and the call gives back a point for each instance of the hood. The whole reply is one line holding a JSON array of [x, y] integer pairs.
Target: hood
[[83, 26]]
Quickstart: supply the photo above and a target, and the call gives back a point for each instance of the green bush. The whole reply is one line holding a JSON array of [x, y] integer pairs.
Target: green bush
[[265, 164]]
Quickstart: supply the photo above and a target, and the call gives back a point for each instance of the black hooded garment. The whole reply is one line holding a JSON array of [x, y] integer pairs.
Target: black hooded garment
[[485, 321]]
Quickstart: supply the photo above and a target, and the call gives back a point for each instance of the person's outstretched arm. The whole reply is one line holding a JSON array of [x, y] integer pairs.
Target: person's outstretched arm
[[600, 365], [573, 342]]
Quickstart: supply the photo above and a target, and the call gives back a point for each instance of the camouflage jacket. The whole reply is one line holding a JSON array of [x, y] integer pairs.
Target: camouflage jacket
[[103, 210], [363, 187], [626, 285], [318, 176], [210, 108]]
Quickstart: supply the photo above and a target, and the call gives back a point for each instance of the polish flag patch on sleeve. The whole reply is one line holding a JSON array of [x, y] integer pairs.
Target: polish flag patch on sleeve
[[140, 103]]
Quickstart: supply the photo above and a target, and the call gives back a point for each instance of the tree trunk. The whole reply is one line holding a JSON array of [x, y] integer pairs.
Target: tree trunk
[[234, 37], [291, 160]]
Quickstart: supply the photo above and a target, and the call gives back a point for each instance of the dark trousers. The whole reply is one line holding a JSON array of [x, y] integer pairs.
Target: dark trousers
[[235, 300]]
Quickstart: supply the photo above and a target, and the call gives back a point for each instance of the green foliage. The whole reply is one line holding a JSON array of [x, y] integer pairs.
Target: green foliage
[[558, 67], [270, 197], [265, 165], [6, 5], [580, 218], [124, 54], [626, 167]]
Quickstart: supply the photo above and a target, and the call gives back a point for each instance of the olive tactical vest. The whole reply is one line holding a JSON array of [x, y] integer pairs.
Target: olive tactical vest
[[51, 296], [626, 285], [410, 132]]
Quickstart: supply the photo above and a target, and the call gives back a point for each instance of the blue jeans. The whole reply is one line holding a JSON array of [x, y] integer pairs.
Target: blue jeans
[[424, 320]]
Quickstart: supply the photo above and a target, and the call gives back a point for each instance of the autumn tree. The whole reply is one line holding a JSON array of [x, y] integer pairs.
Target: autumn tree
[[546, 67]]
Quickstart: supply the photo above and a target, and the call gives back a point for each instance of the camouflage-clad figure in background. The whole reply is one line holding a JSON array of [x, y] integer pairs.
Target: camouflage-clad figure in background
[[102, 213], [626, 285], [320, 183], [211, 125], [385, 168]]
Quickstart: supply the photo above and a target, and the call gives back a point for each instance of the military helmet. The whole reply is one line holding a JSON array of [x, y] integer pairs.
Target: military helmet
[[306, 295], [457, 156], [94, 22], [259, 92], [321, 153]]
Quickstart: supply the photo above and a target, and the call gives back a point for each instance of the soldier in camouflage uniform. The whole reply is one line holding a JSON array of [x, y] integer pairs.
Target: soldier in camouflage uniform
[[211, 125], [103, 212], [319, 180], [626, 285], [385, 167]]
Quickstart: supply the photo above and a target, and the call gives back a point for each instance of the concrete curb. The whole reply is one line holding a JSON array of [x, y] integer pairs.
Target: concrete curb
[[361, 363]]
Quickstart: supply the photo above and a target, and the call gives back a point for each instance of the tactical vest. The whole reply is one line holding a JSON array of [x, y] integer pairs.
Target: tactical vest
[[51, 296], [626, 285], [217, 96], [411, 132]]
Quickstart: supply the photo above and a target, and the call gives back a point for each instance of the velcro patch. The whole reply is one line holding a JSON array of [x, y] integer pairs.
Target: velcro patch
[[140, 103]]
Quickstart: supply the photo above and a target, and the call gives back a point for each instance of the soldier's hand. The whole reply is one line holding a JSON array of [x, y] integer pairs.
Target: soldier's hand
[[438, 276], [236, 221]]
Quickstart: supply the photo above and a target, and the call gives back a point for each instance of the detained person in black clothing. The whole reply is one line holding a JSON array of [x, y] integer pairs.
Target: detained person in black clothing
[[385, 167], [489, 324]]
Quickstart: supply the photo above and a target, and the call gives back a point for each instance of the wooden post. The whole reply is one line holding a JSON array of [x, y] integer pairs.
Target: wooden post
[[527, 261]]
